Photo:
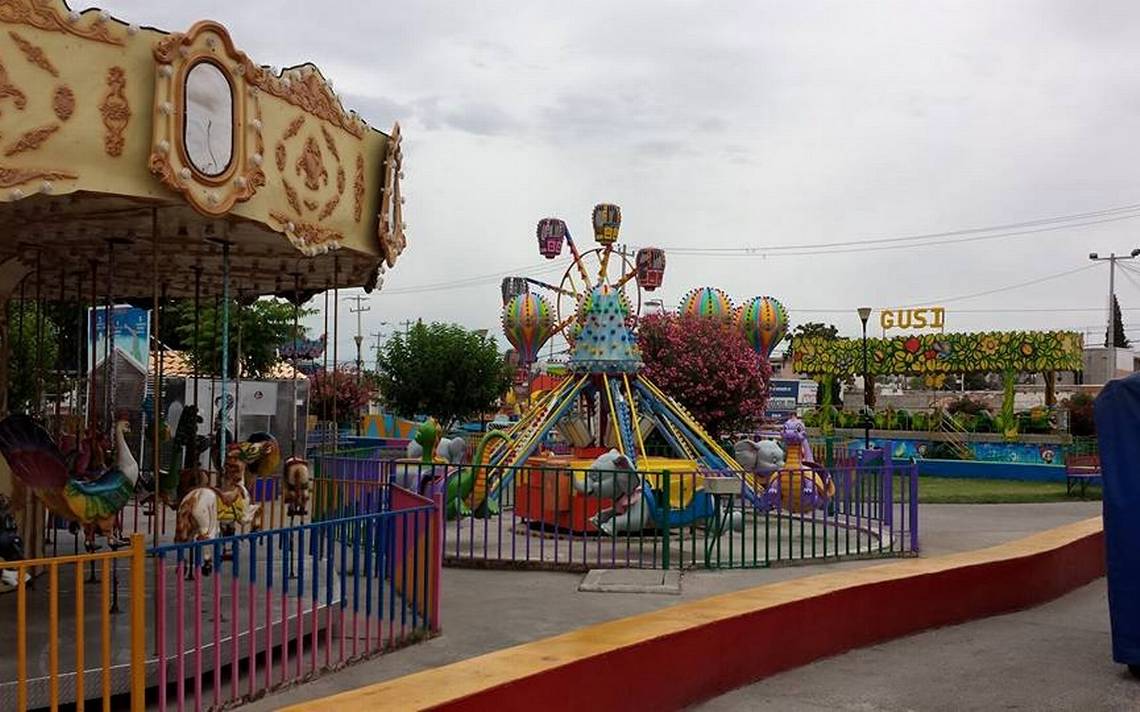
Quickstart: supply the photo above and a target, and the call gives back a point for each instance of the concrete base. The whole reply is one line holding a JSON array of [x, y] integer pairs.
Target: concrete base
[[631, 581]]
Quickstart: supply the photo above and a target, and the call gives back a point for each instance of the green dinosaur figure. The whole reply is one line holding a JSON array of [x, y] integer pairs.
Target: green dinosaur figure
[[428, 435], [460, 485]]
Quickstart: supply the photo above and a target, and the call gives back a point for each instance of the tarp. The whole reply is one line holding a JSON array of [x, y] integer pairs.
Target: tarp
[[1117, 411]]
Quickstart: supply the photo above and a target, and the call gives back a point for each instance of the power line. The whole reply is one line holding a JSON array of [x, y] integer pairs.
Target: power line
[[482, 280], [1125, 212], [1008, 288]]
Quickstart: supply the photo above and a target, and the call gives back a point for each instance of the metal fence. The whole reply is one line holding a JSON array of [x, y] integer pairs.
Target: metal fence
[[71, 642], [688, 519], [237, 617]]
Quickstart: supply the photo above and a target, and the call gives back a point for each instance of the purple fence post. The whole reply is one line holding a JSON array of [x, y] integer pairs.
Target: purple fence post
[[888, 504], [914, 507]]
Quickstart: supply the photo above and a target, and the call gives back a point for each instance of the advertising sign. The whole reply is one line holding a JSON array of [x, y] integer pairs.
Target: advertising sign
[[132, 334]]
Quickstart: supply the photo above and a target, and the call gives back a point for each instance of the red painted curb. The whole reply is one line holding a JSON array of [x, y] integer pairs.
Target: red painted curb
[[695, 664]]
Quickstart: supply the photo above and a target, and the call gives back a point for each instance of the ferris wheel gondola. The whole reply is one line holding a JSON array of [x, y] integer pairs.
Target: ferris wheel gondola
[[610, 265]]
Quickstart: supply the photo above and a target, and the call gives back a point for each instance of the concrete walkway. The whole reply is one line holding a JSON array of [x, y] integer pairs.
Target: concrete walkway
[[1054, 657], [484, 611]]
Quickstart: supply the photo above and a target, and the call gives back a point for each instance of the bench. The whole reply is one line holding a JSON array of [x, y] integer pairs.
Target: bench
[[1080, 470]]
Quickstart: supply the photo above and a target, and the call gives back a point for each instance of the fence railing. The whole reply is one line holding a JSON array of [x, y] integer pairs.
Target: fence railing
[[688, 519], [236, 617], [71, 642]]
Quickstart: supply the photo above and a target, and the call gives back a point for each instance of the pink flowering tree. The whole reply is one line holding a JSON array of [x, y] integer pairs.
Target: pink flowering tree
[[344, 390], [708, 367]]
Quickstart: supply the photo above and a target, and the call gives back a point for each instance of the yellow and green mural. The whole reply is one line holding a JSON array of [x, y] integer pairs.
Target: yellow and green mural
[[930, 354]]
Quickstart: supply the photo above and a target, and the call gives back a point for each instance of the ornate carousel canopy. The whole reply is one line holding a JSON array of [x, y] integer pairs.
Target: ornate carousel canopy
[[136, 156]]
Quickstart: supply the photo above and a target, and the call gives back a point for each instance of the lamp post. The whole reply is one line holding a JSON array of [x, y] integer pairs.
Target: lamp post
[[864, 314], [1110, 338]]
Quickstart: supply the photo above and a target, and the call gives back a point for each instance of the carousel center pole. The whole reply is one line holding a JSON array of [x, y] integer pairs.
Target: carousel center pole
[[156, 392], [293, 407], [37, 407], [225, 350]]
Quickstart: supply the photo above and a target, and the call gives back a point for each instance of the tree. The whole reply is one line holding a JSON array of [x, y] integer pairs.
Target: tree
[[815, 328], [265, 325], [827, 331], [33, 346], [708, 367], [1120, 339], [339, 395], [441, 370]]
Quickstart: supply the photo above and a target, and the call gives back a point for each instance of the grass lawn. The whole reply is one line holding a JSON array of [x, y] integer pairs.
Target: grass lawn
[[954, 490]]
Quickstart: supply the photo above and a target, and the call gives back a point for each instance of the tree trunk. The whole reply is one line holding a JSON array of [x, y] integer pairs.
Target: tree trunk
[[1050, 388]]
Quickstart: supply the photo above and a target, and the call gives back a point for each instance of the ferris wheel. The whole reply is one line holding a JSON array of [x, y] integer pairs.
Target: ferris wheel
[[609, 266]]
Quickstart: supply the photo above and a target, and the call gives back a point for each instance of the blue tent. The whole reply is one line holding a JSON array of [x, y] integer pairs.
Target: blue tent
[[1117, 411]]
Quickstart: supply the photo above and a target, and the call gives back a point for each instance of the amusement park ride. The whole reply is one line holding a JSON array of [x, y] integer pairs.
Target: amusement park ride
[[607, 401]]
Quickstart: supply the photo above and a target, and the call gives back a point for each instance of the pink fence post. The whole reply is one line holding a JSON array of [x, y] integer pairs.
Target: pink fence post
[[160, 627], [439, 524]]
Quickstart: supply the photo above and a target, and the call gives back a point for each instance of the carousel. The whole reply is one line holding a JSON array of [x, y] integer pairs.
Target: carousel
[[138, 167]]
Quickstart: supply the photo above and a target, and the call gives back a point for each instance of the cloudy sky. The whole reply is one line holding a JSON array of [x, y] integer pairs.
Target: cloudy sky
[[762, 125]]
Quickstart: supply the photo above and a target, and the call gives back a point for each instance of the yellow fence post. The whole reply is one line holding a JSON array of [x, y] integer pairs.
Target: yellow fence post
[[138, 624]]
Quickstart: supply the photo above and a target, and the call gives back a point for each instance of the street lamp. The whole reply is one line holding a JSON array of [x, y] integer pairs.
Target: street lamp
[[1110, 337], [864, 314]]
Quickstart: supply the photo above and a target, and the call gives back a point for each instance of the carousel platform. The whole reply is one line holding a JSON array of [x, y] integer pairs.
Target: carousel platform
[[291, 622]]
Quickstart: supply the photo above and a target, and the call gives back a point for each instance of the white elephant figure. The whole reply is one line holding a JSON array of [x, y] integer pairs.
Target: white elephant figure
[[453, 450], [613, 477], [761, 457]]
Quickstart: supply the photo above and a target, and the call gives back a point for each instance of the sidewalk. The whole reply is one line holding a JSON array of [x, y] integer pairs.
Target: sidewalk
[[1053, 657], [488, 610]]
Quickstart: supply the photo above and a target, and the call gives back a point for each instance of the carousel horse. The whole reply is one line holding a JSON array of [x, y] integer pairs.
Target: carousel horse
[[93, 503], [209, 512]]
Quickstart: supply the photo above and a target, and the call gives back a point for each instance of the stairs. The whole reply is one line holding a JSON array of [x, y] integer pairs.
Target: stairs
[[955, 436]]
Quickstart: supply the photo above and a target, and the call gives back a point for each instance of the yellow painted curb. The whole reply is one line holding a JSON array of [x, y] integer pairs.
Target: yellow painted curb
[[430, 688]]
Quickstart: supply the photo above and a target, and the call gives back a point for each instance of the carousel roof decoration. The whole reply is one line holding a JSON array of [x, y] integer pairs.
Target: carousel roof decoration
[[597, 303], [182, 145]]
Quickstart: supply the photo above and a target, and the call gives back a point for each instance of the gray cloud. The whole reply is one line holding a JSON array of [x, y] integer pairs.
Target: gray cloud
[[721, 124]]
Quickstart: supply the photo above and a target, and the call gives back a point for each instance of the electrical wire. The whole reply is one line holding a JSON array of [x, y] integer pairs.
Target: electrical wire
[[1125, 212]]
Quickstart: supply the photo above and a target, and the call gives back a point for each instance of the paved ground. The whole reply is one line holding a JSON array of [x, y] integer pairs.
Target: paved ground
[[488, 610], [1053, 657]]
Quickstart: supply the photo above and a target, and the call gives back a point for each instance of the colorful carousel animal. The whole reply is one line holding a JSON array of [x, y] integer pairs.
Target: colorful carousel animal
[[297, 486], [210, 512], [93, 504], [800, 485]]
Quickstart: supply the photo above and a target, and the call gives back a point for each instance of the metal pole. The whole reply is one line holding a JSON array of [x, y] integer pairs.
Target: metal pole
[[1111, 337], [225, 349], [866, 394]]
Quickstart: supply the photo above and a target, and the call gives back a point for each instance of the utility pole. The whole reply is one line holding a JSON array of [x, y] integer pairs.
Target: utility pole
[[1110, 340], [378, 335], [359, 299], [407, 324]]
